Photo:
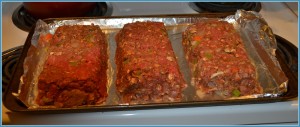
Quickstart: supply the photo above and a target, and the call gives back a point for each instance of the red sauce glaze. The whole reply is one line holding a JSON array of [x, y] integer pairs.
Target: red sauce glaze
[[74, 73], [147, 70], [218, 60]]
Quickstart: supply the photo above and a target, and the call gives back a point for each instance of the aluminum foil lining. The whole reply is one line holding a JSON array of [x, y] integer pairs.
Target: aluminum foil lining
[[258, 38]]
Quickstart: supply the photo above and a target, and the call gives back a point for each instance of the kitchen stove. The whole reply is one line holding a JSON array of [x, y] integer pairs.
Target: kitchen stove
[[281, 113]]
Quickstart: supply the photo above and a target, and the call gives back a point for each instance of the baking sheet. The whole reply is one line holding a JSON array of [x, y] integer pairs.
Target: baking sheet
[[252, 28]]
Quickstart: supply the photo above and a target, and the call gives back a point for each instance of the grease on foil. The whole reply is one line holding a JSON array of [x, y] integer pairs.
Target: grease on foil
[[251, 26]]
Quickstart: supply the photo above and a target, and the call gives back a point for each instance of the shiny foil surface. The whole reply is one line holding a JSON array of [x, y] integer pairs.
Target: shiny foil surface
[[259, 41]]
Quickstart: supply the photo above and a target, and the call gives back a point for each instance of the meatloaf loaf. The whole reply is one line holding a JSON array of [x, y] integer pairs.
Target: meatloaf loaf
[[147, 70], [219, 64], [74, 73]]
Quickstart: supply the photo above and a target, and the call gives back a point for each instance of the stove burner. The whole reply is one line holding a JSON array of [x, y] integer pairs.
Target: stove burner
[[10, 58], [24, 21], [290, 54], [9, 62], [225, 6]]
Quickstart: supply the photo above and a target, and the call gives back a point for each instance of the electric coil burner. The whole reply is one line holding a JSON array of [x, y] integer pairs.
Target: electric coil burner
[[225, 6], [289, 52], [10, 58], [24, 21], [9, 61]]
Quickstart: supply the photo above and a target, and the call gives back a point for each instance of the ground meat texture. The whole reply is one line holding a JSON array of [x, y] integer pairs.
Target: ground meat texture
[[74, 73], [218, 61], [147, 70]]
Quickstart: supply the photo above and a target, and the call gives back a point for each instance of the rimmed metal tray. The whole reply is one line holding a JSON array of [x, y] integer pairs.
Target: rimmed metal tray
[[14, 104]]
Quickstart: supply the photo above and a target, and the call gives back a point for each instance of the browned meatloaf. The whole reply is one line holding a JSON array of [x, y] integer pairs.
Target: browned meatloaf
[[74, 73], [218, 60], [147, 70]]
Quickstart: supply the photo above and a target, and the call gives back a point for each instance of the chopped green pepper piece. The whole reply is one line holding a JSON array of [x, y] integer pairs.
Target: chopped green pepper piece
[[236, 93], [138, 72], [126, 61], [195, 44], [195, 72], [208, 55], [58, 44], [73, 63], [46, 100], [89, 37], [195, 61]]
